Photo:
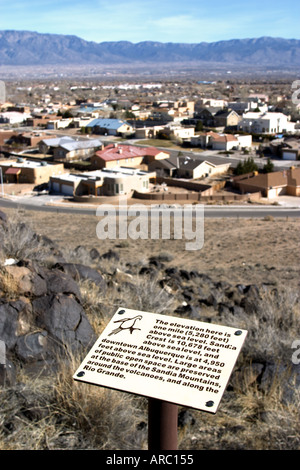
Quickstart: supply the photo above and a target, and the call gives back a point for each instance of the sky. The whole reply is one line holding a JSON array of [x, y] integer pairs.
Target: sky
[[191, 21]]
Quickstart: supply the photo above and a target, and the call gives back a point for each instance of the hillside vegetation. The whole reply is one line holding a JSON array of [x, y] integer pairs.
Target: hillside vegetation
[[64, 288]]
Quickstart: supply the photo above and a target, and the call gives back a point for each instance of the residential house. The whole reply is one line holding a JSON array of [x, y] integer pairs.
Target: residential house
[[147, 132], [259, 96], [39, 121], [242, 107], [6, 135], [223, 142], [119, 155], [265, 123], [31, 172], [59, 123], [180, 132], [287, 148], [13, 117], [206, 116], [47, 146], [270, 184], [30, 139], [76, 150], [110, 127], [186, 167], [212, 102], [226, 118], [105, 182]]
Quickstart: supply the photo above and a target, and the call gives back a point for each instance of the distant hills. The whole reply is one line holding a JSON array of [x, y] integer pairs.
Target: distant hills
[[31, 48]]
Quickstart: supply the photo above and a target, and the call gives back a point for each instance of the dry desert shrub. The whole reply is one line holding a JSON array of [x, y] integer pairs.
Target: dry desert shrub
[[273, 322], [18, 241], [57, 413]]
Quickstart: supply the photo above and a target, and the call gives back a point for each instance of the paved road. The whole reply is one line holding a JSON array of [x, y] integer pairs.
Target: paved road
[[248, 211]]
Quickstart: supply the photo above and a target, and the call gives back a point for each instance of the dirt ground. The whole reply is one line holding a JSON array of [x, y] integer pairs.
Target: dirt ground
[[236, 250]]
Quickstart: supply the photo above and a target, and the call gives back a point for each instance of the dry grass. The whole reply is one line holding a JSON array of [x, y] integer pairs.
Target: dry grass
[[58, 413]]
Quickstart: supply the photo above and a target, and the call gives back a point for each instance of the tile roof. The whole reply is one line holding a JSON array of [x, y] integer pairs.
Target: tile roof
[[118, 152], [289, 177]]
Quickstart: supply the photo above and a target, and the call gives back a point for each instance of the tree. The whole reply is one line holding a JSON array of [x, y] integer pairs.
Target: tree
[[268, 167], [248, 166]]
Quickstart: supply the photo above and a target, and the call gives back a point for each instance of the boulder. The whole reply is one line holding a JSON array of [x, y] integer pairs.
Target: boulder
[[3, 217], [82, 272], [32, 347], [63, 317], [111, 255], [28, 282]]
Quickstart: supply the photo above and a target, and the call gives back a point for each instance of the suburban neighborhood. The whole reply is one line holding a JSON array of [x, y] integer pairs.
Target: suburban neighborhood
[[215, 142]]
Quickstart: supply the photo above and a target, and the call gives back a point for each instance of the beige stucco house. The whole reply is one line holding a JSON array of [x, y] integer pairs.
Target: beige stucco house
[[30, 172]]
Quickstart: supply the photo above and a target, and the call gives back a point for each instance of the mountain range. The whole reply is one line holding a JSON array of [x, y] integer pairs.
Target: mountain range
[[32, 48]]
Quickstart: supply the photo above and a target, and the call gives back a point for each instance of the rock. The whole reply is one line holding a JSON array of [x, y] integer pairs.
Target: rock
[[9, 323], [111, 255], [63, 317], [9, 262], [3, 217], [242, 378], [121, 277], [7, 369], [60, 282], [148, 271], [185, 418], [153, 261], [94, 254], [188, 310], [184, 274], [171, 271], [251, 298], [27, 280], [288, 376], [82, 272], [32, 347]]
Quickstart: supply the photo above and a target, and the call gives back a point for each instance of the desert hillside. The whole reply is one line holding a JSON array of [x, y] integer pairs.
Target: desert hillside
[[63, 288]]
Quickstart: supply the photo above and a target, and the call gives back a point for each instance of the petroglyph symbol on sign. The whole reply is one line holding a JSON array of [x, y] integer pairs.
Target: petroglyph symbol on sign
[[126, 324]]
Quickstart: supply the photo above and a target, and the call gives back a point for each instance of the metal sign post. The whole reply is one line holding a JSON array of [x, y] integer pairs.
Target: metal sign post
[[162, 425], [172, 361]]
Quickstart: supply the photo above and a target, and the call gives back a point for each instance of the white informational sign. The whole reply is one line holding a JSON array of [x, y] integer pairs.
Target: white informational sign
[[176, 360]]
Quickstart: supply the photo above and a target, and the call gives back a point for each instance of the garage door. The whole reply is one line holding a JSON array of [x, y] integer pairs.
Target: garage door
[[67, 189], [272, 193], [288, 155], [55, 187]]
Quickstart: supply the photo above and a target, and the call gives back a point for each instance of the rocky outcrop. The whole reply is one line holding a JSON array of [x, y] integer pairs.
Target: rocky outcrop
[[41, 313], [47, 316]]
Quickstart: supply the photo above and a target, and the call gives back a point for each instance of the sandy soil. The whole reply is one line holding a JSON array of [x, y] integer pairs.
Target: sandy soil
[[235, 249]]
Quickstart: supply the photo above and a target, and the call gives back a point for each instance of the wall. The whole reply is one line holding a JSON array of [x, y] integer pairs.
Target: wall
[[196, 197]]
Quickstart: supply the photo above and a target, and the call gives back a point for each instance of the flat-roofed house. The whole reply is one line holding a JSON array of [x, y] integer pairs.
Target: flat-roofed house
[[30, 172], [265, 123], [106, 182]]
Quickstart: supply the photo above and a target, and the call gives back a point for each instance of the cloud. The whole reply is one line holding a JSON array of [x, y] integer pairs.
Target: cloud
[[155, 20]]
